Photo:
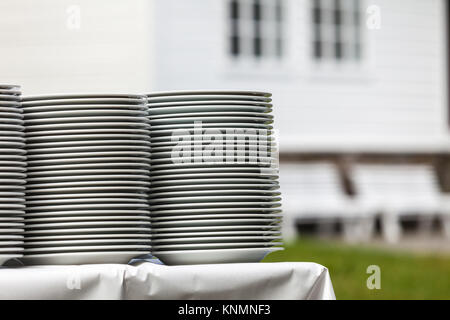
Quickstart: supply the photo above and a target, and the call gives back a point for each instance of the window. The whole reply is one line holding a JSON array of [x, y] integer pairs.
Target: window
[[337, 30], [256, 29]]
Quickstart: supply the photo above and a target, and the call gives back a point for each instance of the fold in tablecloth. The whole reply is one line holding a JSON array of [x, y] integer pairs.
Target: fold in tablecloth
[[144, 280]]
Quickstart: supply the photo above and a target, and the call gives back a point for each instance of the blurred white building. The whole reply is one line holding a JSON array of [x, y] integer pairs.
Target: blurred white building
[[347, 75]]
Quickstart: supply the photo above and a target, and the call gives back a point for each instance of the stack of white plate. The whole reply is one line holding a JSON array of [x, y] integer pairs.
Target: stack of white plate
[[12, 174], [213, 195], [87, 187]]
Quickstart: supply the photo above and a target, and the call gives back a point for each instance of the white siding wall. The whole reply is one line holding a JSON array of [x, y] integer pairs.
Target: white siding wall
[[110, 52], [398, 102]]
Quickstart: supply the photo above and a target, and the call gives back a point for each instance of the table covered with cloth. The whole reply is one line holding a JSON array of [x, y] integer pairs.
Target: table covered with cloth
[[146, 280]]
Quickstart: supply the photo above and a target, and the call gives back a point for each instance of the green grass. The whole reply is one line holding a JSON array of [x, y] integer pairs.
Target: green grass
[[403, 275]]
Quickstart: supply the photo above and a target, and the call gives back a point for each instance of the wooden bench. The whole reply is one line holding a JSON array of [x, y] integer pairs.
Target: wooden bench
[[313, 192], [398, 192]]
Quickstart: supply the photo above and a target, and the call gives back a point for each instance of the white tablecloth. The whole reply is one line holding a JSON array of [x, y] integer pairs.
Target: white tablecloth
[[145, 280]]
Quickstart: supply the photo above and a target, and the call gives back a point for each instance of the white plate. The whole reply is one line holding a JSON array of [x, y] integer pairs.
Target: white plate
[[88, 225], [9, 86], [195, 193], [6, 187], [126, 139], [43, 152], [196, 130], [11, 127], [91, 206], [12, 121], [12, 110], [83, 258], [93, 111], [5, 257], [64, 175], [188, 257], [11, 144], [92, 96], [196, 163], [12, 223], [211, 246], [209, 120], [8, 111], [86, 156], [182, 176], [218, 203], [88, 120], [215, 229], [11, 219], [81, 134], [229, 233], [69, 107], [105, 242], [87, 218], [213, 106], [12, 151], [205, 97], [119, 157], [8, 98], [164, 129], [11, 116], [212, 222], [87, 139], [86, 166], [86, 196], [86, 125], [214, 211], [7, 136], [42, 193], [216, 187], [11, 212], [12, 104], [12, 155], [106, 180], [12, 206], [12, 175], [213, 205], [177, 137], [206, 199], [85, 200], [12, 194], [12, 169], [11, 237], [89, 232], [96, 183], [10, 231], [82, 178], [262, 171], [209, 92], [85, 213], [91, 237], [215, 160], [221, 114], [221, 239], [11, 250], [14, 164], [45, 250], [235, 153], [218, 216], [212, 181], [227, 148]]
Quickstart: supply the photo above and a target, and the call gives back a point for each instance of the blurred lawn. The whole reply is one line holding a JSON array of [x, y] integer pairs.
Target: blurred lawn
[[403, 275]]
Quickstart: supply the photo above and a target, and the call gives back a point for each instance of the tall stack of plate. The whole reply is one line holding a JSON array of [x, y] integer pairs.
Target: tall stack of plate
[[12, 174], [87, 187], [214, 178]]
